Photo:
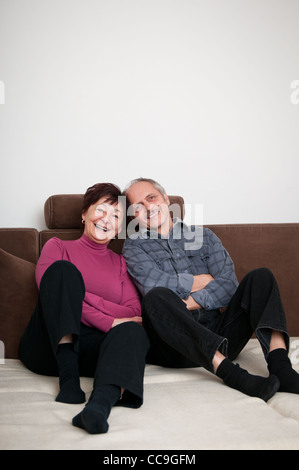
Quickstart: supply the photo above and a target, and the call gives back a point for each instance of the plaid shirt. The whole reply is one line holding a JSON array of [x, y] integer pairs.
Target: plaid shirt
[[155, 261]]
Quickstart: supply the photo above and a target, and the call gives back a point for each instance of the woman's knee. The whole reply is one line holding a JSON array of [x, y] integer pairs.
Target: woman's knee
[[60, 266], [132, 331], [65, 270], [129, 328]]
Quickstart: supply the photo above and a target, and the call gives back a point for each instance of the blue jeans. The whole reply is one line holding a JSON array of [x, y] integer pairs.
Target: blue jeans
[[183, 338]]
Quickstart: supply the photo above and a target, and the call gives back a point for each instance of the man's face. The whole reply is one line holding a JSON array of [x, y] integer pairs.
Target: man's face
[[150, 207]]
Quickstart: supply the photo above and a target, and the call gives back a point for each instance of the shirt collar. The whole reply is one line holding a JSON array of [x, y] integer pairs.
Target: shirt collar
[[192, 236], [176, 229]]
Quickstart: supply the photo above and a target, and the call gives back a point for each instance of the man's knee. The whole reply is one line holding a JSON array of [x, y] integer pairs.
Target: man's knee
[[157, 294], [261, 275]]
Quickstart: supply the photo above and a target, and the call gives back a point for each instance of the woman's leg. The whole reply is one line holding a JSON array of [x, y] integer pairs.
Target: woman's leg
[[120, 365], [43, 348]]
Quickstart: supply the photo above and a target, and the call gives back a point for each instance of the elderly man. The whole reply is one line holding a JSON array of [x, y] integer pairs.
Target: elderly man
[[185, 286]]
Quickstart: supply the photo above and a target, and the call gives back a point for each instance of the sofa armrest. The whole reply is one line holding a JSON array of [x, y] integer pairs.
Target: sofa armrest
[[18, 297]]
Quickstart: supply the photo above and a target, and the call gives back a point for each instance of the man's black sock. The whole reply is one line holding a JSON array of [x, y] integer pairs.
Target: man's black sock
[[93, 418], [69, 380], [253, 385], [280, 365]]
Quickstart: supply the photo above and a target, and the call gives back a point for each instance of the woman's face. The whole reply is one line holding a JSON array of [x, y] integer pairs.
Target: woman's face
[[103, 221]]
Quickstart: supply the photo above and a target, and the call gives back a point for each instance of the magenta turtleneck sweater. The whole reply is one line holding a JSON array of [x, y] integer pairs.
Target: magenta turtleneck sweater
[[109, 291]]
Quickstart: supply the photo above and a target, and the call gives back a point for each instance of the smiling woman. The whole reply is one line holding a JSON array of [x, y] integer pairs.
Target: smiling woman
[[103, 212], [88, 317]]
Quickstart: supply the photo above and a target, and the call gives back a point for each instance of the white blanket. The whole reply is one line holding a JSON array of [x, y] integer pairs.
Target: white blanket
[[183, 409]]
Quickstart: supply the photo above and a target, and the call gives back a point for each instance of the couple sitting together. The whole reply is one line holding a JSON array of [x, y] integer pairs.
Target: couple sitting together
[[104, 315]]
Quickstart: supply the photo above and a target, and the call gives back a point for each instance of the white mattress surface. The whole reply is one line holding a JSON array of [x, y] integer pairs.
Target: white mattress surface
[[183, 409]]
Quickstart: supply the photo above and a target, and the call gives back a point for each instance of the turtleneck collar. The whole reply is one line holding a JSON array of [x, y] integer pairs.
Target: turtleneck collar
[[87, 242]]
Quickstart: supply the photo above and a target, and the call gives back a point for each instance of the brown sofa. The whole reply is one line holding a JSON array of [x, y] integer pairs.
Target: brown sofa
[[183, 409], [275, 246]]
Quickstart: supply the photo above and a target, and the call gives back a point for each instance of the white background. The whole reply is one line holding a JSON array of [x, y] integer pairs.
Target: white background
[[194, 93]]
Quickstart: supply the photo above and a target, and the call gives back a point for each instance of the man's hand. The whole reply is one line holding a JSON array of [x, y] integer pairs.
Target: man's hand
[[200, 281], [191, 304]]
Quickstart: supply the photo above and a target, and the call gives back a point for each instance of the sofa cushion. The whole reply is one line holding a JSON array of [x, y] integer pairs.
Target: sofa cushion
[[62, 234], [18, 293], [63, 211], [273, 246], [21, 242]]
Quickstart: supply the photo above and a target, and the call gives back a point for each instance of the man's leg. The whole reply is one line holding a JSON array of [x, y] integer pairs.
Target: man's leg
[[171, 327], [239, 379], [177, 340], [257, 307]]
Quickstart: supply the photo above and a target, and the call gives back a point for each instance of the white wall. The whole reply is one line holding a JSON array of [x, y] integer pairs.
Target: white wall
[[194, 93]]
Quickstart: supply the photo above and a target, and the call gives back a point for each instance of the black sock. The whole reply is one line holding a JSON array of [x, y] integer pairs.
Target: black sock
[[280, 365], [69, 380], [253, 385], [93, 418]]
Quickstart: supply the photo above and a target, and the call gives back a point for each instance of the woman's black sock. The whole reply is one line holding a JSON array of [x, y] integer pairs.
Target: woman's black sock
[[69, 380], [253, 385], [280, 365], [93, 418]]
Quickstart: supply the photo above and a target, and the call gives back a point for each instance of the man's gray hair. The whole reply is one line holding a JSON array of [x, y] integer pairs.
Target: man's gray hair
[[147, 180]]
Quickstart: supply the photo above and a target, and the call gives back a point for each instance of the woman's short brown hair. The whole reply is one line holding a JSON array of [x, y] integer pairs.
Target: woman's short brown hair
[[98, 191]]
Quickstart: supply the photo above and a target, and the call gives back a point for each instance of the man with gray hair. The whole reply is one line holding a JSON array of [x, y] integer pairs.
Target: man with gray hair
[[185, 290]]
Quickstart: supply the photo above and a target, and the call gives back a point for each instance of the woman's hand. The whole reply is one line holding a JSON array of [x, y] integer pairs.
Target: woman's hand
[[118, 321]]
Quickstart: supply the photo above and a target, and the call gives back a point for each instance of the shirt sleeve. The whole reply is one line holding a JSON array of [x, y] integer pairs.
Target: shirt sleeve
[[218, 292], [147, 274], [93, 317], [51, 252]]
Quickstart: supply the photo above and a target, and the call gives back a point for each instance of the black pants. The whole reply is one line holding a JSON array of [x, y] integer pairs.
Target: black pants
[[116, 357], [182, 338]]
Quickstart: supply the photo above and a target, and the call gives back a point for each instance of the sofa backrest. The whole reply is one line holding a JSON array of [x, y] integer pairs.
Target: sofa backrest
[[63, 217], [273, 246]]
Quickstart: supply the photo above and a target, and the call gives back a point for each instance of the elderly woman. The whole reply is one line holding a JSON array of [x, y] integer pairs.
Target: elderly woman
[[88, 317]]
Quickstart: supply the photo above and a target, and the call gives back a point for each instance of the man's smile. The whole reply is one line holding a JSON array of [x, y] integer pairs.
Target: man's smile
[[153, 213]]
